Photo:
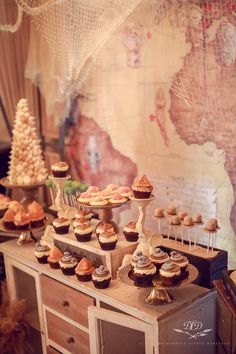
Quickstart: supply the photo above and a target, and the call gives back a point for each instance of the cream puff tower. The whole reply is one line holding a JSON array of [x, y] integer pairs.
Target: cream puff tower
[[26, 165]]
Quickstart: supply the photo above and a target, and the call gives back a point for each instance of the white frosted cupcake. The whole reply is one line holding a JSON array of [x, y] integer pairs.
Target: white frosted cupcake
[[98, 201]]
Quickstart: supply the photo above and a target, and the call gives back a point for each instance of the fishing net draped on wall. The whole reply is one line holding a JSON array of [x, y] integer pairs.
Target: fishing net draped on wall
[[66, 36]]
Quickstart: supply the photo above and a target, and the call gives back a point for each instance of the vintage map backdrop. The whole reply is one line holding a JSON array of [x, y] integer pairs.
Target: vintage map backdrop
[[161, 101]]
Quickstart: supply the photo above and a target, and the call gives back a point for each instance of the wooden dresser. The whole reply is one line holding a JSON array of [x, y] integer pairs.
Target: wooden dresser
[[226, 320], [68, 316]]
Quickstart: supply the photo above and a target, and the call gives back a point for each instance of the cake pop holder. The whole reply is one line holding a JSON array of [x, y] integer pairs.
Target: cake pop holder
[[197, 224], [29, 192], [159, 219], [185, 227], [211, 238], [59, 203], [143, 236], [105, 212], [159, 293]]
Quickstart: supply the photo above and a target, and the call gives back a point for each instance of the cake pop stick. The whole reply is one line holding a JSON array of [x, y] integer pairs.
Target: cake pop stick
[[189, 241]]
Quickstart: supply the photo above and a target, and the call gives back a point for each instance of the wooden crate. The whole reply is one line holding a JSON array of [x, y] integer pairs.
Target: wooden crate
[[112, 259]]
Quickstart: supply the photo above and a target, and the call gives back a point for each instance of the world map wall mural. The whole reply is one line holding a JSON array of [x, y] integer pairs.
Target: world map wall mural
[[161, 101]]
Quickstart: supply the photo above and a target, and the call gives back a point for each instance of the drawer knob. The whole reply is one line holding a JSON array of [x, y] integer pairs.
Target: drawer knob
[[70, 340], [65, 303]]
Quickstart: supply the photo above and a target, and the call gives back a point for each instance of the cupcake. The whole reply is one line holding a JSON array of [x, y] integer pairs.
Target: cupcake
[[79, 222], [93, 190], [112, 187], [107, 194], [4, 204], [85, 198], [22, 221], [86, 214], [169, 273], [135, 257], [98, 201], [15, 206], [36, 214], [84, 270], [8, 219], [41, 253], [83, 232], [143, 272], [60, 169], [130, 232], [180, 260], [107, 240], [54, 257], [142, 189], [101, 277], [61, 225], [68, 264], [103, 226], [124, 191], [117, 199], [158, 257]]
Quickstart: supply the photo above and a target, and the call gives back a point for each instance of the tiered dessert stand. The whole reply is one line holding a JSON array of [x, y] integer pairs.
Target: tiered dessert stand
[[29, 192], [143, 236]]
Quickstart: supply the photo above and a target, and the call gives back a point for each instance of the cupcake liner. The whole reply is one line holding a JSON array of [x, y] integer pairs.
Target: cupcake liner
[[59, 174], [84, 277], [68, 271], [141, 195], [54, 265], [101, 284], [131, 236], [61, 230], [108, 246], [9, 225], [42, 260], [143, 281], [83, 238], [37, 223], [22, 227]]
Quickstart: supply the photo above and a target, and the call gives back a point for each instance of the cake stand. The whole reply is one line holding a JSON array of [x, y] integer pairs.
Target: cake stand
[[59, 200], [30, 232], [143, 237], [159, 293], [29, 191], [105, 213]]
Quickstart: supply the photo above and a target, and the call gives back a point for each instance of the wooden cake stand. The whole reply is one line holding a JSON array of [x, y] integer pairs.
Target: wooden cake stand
[[159, 294], [29, 191]]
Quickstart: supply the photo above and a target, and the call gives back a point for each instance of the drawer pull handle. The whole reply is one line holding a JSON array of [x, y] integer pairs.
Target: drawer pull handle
[[70, 340], [65, 303]]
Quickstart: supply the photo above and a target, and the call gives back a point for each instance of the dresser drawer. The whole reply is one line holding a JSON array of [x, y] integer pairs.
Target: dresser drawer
[[66, 335], [224, 324], [68, 301]]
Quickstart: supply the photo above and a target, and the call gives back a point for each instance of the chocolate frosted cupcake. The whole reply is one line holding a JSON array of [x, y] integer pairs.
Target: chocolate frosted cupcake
[[158, 257], [142, 189], [68, 264], [84, 270], [61, 225], [180, 260], [83, 232], [101, 277], [54, 257], [143, 272], [60, 169], [8, 219], [107, 240], [41, 253], [170, 273], [130, 232]]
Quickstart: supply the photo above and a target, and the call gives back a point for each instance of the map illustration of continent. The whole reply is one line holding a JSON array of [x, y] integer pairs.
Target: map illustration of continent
[[162, 91]]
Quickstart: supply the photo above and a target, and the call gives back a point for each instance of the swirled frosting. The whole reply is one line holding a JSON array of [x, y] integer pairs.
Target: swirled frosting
[[158, 255], [136, 256], [143, 262], [169, 269], [101, 273], [176, 256], [144, 266], [168, 265], [41, 248], [67, 257]]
